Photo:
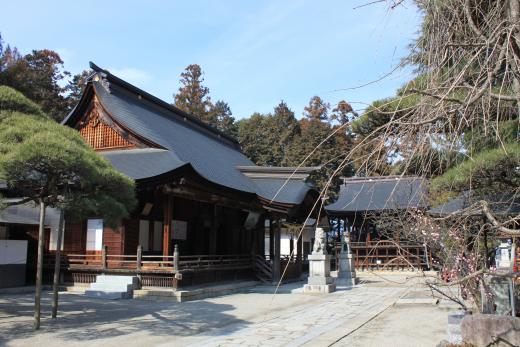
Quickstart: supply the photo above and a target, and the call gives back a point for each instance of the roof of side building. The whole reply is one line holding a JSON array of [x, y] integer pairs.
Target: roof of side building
[[384, 193]]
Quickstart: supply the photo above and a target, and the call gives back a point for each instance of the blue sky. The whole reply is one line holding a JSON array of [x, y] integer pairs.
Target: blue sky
[[253, 53]]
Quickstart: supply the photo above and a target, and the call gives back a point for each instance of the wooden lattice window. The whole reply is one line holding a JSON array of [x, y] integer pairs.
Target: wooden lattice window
[[100, 135]]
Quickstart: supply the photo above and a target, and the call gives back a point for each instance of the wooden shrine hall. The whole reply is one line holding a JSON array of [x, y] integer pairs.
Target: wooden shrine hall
[[203, 205], [360, 202]]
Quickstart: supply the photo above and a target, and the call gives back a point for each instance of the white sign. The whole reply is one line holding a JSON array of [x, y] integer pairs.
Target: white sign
[[179, 230], [94, 235]]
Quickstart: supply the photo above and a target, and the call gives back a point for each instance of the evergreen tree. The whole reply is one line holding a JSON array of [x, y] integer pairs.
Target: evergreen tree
[[220, 117], [75, 87], [343, 113], [266, 139], [193, 96], [38, 76], [317, 109]]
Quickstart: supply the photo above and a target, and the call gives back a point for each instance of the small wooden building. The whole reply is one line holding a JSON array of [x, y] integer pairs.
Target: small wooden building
[[361, 201], [202, 203]]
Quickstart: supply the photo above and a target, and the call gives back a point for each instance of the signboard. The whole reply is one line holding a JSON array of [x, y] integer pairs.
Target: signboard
[[94, 235], [179, 230]]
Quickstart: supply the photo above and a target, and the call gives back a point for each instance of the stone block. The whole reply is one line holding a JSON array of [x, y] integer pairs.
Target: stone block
[[489, 329], [320, 280], [319, 288]]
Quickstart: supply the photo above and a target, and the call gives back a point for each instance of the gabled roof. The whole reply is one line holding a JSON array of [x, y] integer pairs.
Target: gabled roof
[[186, 140], [181, 140], [377, 194]]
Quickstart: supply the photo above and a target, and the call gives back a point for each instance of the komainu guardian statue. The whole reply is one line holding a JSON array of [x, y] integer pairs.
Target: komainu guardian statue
[[319, 242]]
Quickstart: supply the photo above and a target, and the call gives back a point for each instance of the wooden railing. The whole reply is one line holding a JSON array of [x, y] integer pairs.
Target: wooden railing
[[389, 255], [203, 262], [140, 263]]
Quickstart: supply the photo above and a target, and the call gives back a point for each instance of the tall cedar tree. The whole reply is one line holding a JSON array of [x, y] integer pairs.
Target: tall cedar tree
[[317, 109], [193, 98]]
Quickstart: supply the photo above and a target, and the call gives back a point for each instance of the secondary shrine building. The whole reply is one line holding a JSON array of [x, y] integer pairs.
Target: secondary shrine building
[[203, 205]]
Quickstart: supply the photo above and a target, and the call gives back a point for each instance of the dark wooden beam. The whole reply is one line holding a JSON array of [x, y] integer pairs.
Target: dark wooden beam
[[167, 220], [192, 193]]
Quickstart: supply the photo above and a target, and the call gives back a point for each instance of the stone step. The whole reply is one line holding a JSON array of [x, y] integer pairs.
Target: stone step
[[119, 287], [118, 279], [113, 287], [110, 295]]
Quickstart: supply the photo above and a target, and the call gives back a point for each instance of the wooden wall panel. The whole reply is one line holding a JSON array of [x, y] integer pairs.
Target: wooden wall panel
[[131, 237], [100, 135], [75, 238], [113, 240]]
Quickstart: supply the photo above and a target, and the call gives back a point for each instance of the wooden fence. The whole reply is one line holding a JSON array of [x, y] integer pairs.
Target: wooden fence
[[390, 255]]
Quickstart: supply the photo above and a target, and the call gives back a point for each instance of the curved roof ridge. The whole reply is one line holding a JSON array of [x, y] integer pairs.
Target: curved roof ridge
[[163, 104]]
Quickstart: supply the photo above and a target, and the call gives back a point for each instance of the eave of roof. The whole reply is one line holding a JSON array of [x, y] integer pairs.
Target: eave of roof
[[150, 162], [283, 191], [379, 194], [502, 204]]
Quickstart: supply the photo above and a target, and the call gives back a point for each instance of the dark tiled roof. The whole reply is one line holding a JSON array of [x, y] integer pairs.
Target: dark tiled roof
[[211, 157], [507, 204], [151, 162], [29, 214], [379, 194], [281, 190], [182, 140]]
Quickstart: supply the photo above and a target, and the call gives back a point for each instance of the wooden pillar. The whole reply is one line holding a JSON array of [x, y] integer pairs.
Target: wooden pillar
[[271, 238], [299, 249], [167, 221], [276, 259], [213, 231]]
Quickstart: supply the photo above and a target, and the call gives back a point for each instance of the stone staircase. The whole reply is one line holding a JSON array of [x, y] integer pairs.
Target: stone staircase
[[113, 287]]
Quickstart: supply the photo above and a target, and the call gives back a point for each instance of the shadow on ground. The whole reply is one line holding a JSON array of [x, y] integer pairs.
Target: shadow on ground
[[82, 318]]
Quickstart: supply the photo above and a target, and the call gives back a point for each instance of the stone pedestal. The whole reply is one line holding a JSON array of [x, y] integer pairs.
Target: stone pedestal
[[346, 272], [500, 288], [319, 275]]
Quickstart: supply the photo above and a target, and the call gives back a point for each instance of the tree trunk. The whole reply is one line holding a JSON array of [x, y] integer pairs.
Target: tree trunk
[[57, 260], [514, 14], [37, 295]]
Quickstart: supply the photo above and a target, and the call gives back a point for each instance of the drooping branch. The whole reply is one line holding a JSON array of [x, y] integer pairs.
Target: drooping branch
[[496, 224]]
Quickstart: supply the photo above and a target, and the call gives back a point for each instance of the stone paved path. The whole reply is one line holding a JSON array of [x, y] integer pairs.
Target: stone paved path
[[252, 318], [322, 322]]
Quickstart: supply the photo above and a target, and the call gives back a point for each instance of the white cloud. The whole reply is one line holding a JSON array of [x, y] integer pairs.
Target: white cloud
[[132, 75]]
